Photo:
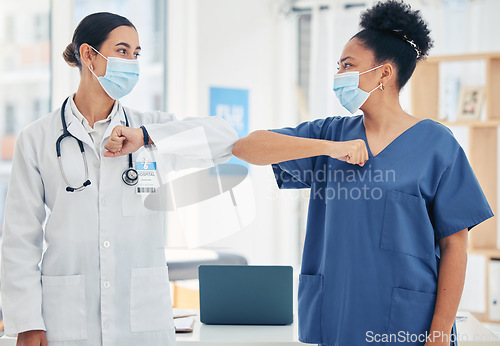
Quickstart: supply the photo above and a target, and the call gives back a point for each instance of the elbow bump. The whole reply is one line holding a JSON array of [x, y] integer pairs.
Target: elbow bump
[[236, 151]]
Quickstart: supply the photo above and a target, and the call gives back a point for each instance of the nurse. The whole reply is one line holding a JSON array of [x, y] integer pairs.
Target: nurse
[[103, 277], [392, 198]]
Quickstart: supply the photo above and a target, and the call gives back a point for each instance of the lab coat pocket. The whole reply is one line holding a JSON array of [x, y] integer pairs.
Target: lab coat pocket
[[150, 305], [406, 226], [63, 307], [410, 317], [310, 297]]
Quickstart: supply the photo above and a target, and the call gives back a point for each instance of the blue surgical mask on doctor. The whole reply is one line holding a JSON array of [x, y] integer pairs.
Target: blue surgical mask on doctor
[[121, 76], [345, 86]]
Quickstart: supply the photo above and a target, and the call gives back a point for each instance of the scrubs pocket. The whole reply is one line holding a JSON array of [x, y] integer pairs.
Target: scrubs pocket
[[406, 227], [411, 316], [150, 305], [63, 307], [310, 297]]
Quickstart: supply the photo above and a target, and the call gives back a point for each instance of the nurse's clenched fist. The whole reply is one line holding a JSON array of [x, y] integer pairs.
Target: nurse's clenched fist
[[354, 152], [123, 141]]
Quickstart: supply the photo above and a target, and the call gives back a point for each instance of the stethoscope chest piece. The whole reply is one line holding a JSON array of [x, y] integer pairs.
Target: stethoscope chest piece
[[130, 177]]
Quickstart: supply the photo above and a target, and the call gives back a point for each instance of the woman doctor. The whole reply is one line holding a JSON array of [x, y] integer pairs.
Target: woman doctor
[[103, 278], [392, 198]]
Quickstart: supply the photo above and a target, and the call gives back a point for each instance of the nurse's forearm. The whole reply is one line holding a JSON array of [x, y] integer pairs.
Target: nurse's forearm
[[450, 285], [266, 147]]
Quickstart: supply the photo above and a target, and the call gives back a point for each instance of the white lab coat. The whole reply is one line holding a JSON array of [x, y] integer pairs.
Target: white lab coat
[[103, 278]]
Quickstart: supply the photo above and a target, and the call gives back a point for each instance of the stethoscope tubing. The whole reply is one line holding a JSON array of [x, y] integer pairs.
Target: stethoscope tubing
[[65, 134]]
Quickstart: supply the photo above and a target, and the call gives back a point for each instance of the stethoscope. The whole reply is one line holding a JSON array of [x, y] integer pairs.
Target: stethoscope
[[129, 176]]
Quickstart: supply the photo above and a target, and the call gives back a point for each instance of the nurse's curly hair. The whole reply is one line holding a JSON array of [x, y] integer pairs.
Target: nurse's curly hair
[[396, 33]]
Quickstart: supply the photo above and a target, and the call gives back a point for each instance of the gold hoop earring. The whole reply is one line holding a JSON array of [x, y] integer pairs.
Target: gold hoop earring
[[382, 86], [92, 67]]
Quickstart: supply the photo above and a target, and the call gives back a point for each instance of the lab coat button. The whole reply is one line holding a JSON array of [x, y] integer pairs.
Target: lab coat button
[[97, 164], [106, 244], [106, 284], [105, 325], [104, 201]]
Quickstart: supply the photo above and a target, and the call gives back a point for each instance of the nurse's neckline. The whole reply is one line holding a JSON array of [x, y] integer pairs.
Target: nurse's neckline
[[371, 156]]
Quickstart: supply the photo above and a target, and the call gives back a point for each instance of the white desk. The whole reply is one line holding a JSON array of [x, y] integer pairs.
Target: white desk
[[212, 335], [470, 333]]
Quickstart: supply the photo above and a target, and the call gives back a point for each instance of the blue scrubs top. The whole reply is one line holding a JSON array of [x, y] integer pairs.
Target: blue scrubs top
[[370, 260]]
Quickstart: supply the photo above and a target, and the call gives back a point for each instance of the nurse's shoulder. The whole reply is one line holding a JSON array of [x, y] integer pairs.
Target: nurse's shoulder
[[440, 139], [331, 128], [338, 120], [440, 132]]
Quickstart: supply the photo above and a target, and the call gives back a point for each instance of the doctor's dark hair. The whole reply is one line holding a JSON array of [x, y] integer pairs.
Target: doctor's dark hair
[[395, 33], [93, 30]]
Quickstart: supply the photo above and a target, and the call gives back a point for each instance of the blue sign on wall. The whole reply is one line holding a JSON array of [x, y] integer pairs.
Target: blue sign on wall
[[232, 106]]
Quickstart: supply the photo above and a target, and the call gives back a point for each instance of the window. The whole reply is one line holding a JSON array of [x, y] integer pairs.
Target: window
[[10, 120], [41, 29], [25, 71]]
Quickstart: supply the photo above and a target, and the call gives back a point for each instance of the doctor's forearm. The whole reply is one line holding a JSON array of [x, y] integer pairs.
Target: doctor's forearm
[[450, 283], [264, 147], [202, 139]]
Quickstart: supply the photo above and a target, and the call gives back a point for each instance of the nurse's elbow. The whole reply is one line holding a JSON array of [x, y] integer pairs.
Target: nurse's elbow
[[239, 148], [246, 149]]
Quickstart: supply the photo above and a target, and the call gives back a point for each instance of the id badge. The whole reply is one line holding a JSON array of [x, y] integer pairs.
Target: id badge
[[146, 170]]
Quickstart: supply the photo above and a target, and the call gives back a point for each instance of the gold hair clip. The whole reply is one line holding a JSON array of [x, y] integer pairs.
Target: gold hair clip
[[413, 44]]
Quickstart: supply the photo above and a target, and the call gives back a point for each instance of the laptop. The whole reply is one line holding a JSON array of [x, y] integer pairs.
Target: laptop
[[243, 294]]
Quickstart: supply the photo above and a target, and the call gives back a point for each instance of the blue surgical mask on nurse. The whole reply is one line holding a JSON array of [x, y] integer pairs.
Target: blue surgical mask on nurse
[[346, 87], [121, 76]]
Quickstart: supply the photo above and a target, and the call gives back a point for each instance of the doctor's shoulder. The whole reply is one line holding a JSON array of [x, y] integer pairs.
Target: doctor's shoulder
[[41, 131]]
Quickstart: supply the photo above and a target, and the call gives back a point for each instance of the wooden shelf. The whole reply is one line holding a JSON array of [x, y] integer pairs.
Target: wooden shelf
[[472, 123], [490, 253], [481, 316], [462, 57], [425, 84]]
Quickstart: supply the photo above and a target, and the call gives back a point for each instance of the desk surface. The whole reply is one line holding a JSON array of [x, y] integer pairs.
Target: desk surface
[[225, 335], [470, 333]]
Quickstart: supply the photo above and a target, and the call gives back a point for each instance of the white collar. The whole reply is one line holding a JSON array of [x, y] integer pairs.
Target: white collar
[[84, 120]]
